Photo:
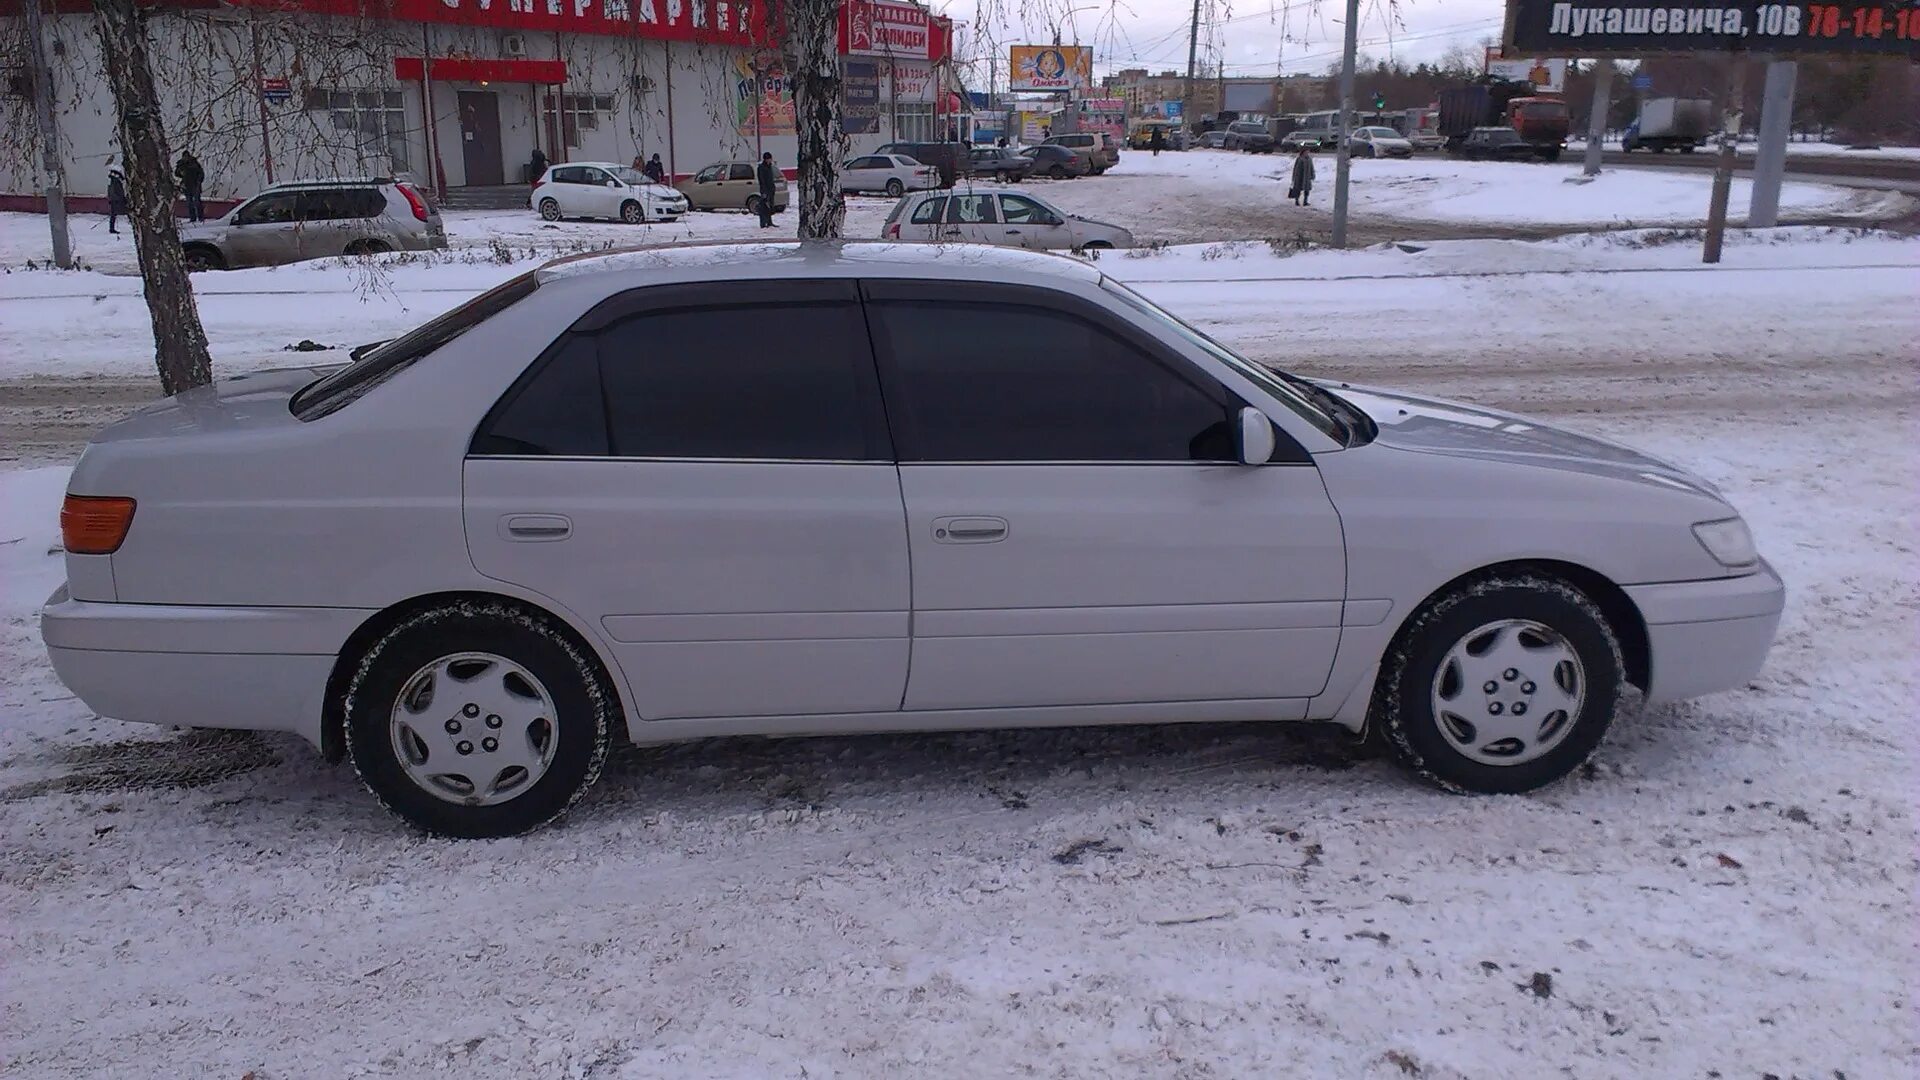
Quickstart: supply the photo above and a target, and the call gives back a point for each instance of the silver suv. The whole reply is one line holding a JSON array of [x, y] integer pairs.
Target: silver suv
[[314, 219], [1098, 146]]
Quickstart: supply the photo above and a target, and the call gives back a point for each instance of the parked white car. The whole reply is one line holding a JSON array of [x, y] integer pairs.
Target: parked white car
[[1378, 142], [602, 189], [1014, 217], [893, 174], [798, 489]]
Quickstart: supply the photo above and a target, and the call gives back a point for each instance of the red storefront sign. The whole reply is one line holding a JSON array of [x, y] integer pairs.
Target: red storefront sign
[[902, 31], [469, 69], [724, 22]]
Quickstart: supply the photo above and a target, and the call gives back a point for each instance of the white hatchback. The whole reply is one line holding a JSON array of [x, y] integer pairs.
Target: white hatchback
[[601, 189], [890, 174], [793, 489], [1012, 217]]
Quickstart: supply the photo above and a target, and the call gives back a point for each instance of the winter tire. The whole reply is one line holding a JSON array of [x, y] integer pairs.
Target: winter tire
[[895, 188], [198, 257], [631, 213], [1503, 685], [477, 720], [1058, 172], [753, 204], [549, 210]]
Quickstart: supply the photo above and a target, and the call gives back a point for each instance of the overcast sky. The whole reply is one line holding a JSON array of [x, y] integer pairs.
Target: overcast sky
[[1250, 37]]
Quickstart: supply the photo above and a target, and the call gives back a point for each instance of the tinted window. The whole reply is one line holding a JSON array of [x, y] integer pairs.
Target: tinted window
[[345, 386], [929, 212], [989, 382], [740, 172], [970, 210], [269, 209], [767, 381], [340, 204], [555, 410]]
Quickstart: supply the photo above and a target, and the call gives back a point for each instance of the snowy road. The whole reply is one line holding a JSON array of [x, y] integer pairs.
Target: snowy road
[[1730, 889]]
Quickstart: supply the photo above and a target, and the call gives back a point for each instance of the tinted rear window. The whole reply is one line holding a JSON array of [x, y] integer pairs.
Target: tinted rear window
[[344, 387]]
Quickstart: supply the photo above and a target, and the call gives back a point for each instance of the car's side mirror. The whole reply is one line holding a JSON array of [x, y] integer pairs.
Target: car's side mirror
[[1255, 437], [613, 183]]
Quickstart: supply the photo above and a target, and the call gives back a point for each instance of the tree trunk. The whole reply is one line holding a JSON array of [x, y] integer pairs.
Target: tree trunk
[[813, 62], [180, 343]]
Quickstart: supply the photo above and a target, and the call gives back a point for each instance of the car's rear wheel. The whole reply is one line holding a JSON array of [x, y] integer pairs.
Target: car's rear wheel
[[198, 257], [895, 188], [1058, 172], [632, 214], [1502, 685], [753, 204], [477, 720], [549, 210]]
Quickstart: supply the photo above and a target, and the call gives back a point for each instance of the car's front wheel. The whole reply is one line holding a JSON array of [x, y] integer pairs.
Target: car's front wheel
[[549, 210], [632, 214], [198, 257], [1503, 685], [477, 720]]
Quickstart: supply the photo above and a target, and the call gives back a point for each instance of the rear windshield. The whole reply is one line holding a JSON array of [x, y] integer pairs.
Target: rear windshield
[[344, 387]]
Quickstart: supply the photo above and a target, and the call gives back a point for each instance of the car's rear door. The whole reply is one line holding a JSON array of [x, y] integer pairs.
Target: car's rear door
[[741, 184], [703, 473], [974, 219], [1081, 530]]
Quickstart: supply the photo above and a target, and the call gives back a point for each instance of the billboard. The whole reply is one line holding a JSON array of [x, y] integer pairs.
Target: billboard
[[882, 28], [860, 111], [1599, 28], [1549, 76], [762, 101], [1050, 67]]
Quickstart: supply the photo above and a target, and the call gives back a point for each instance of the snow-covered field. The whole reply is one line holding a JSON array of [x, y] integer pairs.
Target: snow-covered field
[[1730, 891]]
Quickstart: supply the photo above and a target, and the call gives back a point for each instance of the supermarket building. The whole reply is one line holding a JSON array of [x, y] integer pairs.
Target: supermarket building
[[457, 94]]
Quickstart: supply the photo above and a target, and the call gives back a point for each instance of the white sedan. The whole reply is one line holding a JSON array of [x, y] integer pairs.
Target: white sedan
[[893, 174], [1378, 142], [602, 189], [802, 489], [1009, 216]]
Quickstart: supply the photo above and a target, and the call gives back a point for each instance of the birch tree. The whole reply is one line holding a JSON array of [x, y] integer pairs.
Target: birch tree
[[180, 342], [809, 34]]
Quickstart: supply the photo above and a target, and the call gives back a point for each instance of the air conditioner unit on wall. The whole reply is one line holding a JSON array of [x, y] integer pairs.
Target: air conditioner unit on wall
[[513, 44]]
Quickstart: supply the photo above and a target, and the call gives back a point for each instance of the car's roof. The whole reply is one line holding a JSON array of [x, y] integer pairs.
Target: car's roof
[[595, 164], [331, 181], [736, 260]]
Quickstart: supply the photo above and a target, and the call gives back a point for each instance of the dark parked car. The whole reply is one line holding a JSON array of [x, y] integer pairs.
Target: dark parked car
[[1310, 140], [1249, 135], [1498, 143], [949, 157], [1057, 162], [999, 163]]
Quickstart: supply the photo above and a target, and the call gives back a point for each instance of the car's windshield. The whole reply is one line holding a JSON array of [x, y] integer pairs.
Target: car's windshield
[[345, 386], [631, 176], [1502, 135], [1245, 126], [1309, 401], [1382, 133]]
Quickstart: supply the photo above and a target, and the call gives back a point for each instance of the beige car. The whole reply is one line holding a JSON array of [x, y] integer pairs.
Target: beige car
[[729, 185]]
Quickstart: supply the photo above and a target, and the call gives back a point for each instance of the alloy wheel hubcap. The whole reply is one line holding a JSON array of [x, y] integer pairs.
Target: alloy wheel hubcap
[[1508, 692], [474, 729]]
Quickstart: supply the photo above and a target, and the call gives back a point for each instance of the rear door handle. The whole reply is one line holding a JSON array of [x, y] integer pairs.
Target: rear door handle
[[969, 530], [534, 528]]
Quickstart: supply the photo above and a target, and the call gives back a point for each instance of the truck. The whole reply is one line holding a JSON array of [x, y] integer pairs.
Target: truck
[[1541, 119], [1669, 123]]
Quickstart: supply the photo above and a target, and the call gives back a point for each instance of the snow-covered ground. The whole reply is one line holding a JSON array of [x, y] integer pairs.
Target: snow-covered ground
[[1749, 146], [1730, 891]]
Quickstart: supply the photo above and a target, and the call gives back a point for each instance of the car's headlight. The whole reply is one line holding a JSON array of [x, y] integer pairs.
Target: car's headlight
[[1730, 542]]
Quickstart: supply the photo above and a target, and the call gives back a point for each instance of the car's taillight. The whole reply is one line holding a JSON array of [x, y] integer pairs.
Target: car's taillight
[[893, 231], [414, 200], [94, 524]]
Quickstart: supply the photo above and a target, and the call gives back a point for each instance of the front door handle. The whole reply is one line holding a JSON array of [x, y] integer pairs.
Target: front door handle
[[535, 528], [969, 530]]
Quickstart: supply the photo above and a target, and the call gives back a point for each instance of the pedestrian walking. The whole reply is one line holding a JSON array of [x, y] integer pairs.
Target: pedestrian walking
[[767, 185], [116, 197], [537, 166], [1157, 140], [191, 175], [655, 171], [1302, 177]]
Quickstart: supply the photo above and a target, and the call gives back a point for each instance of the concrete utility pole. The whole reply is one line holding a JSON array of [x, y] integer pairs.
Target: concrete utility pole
[[1770, 160], [1723, 169], [1597, 123], [1344, 162], [49, 137], [1193, 56]]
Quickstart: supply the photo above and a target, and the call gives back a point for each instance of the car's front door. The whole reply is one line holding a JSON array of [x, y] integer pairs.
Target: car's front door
[[1030, 224], [1081, 530], [602, 192], [703, 473], [266, 231]]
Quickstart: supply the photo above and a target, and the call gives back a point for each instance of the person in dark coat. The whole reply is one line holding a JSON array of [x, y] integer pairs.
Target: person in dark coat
[[190, 174], [537, 165], [655, 171], [768, 184], [1302, 177], [1157, 140], [116, 197]]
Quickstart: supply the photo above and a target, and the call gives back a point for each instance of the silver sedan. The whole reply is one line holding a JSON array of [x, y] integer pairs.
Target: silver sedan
[[971, 488]]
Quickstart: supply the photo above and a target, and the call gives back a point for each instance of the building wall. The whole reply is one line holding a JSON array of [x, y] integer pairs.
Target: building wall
[[346, 114]]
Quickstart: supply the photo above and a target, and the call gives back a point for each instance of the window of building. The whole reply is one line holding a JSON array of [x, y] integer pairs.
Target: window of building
[[913, 122], [373, 122], [578, 113]]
